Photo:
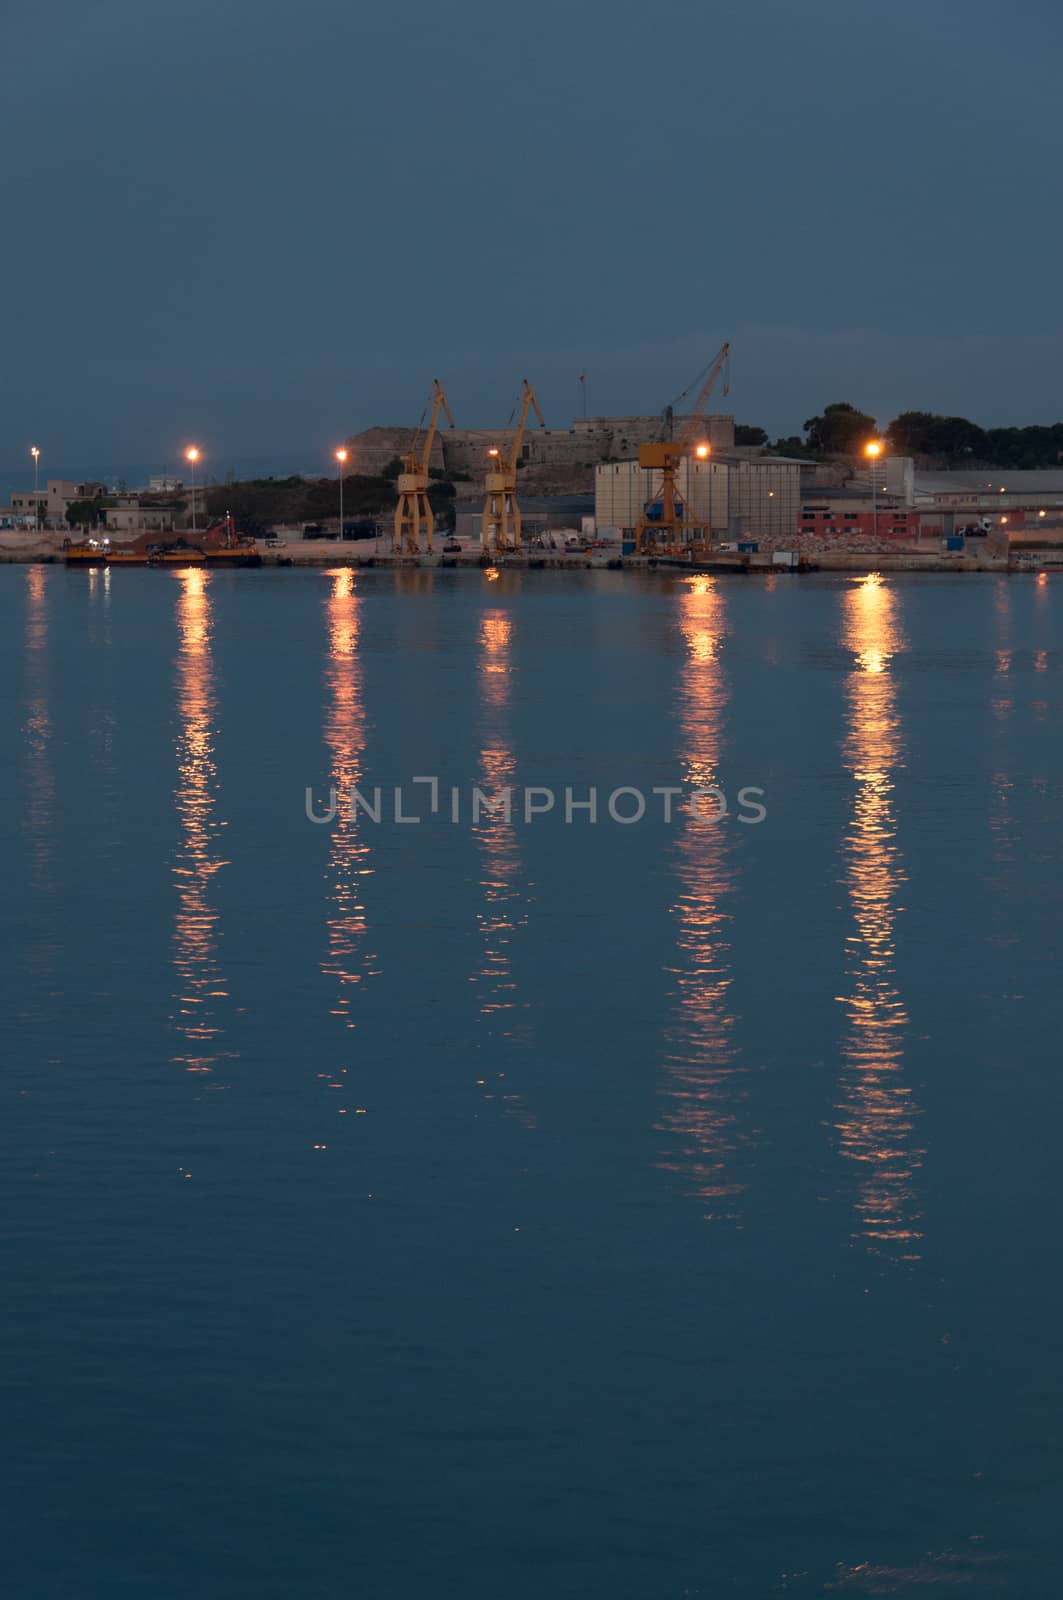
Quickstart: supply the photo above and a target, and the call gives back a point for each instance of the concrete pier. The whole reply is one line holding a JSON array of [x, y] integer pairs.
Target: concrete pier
[[29, 546]]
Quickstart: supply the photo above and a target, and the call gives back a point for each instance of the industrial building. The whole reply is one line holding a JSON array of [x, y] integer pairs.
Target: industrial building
[[50, 503], [736, 499], [128, 514], [905, 505], [987, 490]]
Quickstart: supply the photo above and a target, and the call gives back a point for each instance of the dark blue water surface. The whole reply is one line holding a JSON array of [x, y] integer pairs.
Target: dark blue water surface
[[522, 1209]]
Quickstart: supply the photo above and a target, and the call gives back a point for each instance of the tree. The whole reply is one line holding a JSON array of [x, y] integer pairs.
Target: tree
[[792, 445], [841, 430], [745, 434], [924, 433], [84, 513], [1024, 447]]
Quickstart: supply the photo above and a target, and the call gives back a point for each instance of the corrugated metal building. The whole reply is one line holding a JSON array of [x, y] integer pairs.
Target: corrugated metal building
[[764, 497], [621, 489], [735, 498]]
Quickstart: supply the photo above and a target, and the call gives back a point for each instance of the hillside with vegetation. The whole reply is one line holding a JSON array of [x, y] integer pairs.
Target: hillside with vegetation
[[842, 430], [258, 504]]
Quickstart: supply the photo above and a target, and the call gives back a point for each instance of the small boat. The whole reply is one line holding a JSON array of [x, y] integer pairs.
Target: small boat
[[84, 553]]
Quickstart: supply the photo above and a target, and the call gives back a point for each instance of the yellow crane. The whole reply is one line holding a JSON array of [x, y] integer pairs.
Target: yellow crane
[[665, 527], [413, 512], [500, 530]]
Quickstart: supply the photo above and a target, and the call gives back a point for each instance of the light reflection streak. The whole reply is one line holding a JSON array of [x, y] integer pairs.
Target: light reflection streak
[[505, 894], [1001, 818], [1003, 703], [39, 816], [703, 1100], [347, 959], [196, 930], [1004, 829], [876, 1113], [104, 725], [40, 945]]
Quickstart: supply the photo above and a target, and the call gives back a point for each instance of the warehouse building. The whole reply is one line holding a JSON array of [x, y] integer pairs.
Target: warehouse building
[[737, 500], [909, 505]]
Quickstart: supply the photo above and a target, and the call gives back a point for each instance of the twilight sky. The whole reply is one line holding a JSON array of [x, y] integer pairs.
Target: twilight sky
[[262, 224]]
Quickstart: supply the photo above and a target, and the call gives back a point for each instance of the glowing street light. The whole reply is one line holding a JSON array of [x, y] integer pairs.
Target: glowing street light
[[36, 454], [341, 457], [701, 451], [872, 450], [192, 456]]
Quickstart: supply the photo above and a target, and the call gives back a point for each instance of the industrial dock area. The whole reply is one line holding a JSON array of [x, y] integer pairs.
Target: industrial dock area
[[682, 490]]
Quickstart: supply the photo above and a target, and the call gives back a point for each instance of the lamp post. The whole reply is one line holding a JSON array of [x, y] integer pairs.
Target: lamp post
[[36, 454], [872, 450], [192, 456], [341, 457]]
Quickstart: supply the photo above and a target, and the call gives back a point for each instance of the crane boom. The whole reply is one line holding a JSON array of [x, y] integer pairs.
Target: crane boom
[[500, 526], [528, 400], [696, 415], [666, 526], [413, 513], [439, 403]]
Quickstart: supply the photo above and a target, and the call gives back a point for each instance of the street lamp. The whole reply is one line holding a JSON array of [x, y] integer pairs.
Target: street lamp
[[341, 457], [36, 454], [192, 456], [872, 450]]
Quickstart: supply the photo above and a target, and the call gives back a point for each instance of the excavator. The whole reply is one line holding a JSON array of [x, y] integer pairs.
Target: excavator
[[219, 545], [413, 511], [224, 547], [664, 528], [500, 529]]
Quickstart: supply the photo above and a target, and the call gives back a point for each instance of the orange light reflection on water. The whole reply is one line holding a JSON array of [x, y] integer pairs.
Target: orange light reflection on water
[[876, 1113], [347, 958], [504, 904], [40, 779], [196, 930], [40, 940], [703, 1100]]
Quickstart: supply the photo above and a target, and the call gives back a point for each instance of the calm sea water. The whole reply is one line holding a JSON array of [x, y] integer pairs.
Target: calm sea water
[[529, 1209]]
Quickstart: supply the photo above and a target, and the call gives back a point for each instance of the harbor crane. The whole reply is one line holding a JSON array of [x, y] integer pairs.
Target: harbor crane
[[413, 511], [500, 529], [665, 527]]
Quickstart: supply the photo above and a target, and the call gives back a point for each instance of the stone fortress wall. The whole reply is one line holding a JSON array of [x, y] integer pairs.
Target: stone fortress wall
[[462, 452]]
